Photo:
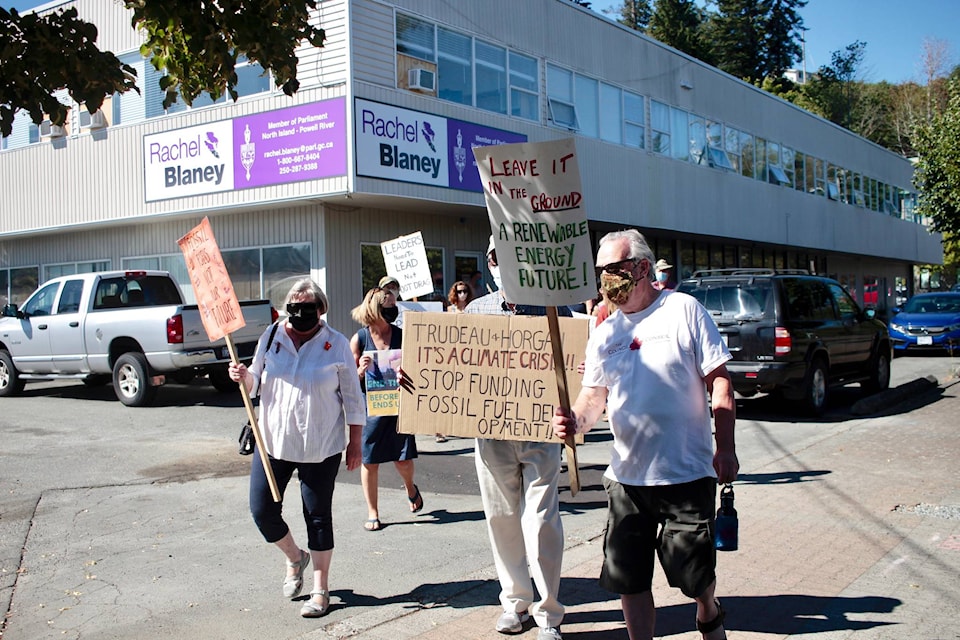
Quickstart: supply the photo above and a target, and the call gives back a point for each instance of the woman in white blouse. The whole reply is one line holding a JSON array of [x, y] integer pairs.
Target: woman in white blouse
[[309, 395]]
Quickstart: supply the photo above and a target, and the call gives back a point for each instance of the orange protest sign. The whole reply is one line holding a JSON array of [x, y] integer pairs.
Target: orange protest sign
[[219, 306]]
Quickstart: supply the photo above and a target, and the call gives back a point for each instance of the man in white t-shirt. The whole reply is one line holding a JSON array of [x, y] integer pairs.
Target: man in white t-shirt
[[652, 364]]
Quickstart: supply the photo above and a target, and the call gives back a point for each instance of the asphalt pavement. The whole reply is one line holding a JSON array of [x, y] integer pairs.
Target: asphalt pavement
[[849, 526]]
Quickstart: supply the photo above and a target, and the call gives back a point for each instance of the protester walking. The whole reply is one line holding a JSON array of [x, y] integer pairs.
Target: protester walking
[[652, 365], [519, 487], [309, 396], [381, 442]]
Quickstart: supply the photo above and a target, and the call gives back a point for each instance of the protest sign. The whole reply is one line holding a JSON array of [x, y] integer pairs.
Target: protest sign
[[484, 376], [221, 314], [406, 260], [219, 306], [383, 388], [535, 204]]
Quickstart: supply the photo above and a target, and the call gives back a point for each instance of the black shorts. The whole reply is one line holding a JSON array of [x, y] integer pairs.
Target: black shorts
[[675, 520]]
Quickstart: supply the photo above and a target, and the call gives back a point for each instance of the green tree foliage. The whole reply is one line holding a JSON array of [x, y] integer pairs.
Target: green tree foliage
[[196, 45], [679, 23], [41, 55], [633, 13], [938, 169], [833, 91], [756, 39]]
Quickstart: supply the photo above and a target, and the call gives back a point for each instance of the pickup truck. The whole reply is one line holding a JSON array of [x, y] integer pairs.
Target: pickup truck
[[131, 327]]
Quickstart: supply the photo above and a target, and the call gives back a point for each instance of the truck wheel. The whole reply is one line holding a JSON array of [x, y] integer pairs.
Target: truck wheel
[[10, 382], [221, 380], [815, 388], [131, 380]]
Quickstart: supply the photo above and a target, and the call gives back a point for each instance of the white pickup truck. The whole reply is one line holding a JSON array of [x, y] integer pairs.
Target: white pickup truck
[[130, 327]]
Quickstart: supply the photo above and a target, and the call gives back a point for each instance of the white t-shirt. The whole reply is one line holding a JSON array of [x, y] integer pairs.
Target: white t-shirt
[[652, 363]]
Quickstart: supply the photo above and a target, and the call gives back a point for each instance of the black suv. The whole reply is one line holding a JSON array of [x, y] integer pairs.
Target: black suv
[[792, 333]]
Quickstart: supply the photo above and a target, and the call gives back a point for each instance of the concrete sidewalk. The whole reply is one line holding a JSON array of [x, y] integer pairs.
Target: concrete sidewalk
[[857, 532]]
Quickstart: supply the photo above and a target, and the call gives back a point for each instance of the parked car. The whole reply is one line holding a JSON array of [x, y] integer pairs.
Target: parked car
[[130, 327], [792, 333], [927, 322]]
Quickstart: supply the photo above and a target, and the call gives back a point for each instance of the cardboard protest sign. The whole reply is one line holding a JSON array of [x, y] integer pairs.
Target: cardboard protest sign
[[535, 204], [406, 260], [485, 376], [219, 306], [383, 388]]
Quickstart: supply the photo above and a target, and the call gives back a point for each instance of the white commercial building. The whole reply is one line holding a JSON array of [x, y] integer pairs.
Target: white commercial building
[[376, 144]]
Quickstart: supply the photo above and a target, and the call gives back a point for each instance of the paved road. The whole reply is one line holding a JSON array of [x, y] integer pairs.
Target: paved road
[[132, 523]]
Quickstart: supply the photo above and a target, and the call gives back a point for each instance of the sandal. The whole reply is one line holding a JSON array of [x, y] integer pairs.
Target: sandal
[[712, 625], [373, 524], [416, 502], [293, 584], [314, 609]]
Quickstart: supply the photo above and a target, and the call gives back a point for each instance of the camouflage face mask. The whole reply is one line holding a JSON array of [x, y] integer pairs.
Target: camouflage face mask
[[617, 286]]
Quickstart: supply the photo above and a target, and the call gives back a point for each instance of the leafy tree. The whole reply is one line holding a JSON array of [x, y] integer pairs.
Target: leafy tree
[[938, 169], [755, 39], [633, 13], [679, 23], [833, 91], [196, 45]]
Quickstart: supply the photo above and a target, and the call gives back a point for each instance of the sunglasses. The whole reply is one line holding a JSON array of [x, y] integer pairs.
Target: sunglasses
[[461, 292], [618, 267], [302, 308]]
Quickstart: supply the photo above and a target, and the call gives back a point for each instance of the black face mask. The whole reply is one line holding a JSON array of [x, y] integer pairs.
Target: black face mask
[[389, 313], [304, 323]]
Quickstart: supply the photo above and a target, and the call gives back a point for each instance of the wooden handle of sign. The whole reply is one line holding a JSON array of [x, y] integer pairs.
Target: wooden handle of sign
[[569, 443], [252, 417]]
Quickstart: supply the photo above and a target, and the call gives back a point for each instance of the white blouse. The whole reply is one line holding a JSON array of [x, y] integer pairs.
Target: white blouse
[[307, 397]]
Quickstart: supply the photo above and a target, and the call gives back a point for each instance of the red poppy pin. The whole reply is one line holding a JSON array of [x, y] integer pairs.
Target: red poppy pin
[[635, 345], [326, 346]]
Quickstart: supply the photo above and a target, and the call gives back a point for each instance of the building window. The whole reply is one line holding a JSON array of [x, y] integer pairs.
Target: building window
[[454, 67], [731, 145], [586, 100], [611, 113], [71, 268], [787, 163], [251, 80], [679, 144], [760, 159], [491, 77], [697, 139], [660, 127], [634, 121], [524, 87], [560, 98], [415, 38], [18, 283]]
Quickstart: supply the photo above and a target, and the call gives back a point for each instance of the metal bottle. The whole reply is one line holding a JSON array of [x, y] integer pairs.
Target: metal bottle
[[727, 529]]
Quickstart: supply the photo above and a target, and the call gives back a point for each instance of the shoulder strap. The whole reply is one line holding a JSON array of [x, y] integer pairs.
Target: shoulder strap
[[273, 332]]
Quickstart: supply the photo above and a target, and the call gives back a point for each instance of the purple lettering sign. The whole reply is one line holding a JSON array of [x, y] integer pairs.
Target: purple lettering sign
[[306, 142], [462, 137]]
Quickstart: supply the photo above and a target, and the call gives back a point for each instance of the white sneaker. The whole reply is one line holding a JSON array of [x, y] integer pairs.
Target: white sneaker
[[549, 633], [511, 622]]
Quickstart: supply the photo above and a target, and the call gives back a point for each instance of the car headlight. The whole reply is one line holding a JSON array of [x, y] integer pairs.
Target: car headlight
[[898, 328]]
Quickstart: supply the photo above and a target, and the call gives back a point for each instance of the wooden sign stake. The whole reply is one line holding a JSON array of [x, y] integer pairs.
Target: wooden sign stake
[[558, 368]]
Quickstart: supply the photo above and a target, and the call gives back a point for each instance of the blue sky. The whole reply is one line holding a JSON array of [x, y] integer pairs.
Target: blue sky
[[894, 31]]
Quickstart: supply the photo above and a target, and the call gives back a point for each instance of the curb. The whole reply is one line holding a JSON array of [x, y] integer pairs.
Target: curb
[[878, 401]]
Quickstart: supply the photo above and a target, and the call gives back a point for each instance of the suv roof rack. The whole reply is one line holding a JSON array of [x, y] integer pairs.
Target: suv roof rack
[[764, 271]]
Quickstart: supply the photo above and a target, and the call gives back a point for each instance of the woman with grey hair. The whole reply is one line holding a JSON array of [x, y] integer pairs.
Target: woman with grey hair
[[303, 372]]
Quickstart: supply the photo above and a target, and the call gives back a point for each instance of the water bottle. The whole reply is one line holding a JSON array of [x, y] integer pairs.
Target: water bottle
[[726, 527]]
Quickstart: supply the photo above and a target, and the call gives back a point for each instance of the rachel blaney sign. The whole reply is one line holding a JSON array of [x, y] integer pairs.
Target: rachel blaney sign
[[535, 205]]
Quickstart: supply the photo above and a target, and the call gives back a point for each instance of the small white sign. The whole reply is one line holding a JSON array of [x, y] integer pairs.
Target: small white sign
[[188, 162], [406, 260], [539, 225]]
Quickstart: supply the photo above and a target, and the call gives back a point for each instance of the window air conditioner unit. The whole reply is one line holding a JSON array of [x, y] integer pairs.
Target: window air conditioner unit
[[50, 130], [95, 120], [421, 79]]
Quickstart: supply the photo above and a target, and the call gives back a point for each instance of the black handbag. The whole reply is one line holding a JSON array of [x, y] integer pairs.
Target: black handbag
[[246, 439]]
